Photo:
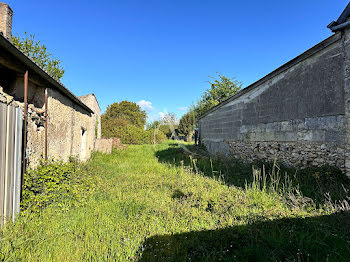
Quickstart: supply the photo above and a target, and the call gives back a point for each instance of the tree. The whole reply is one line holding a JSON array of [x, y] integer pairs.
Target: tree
[[153, 125], [126, 121], [168, 124], [112, 127], [128, 111], [220, 90], [187, 124], [39, 53]]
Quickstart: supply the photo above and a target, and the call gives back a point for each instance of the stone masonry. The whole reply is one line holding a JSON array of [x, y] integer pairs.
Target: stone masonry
[[6, 20], [91, 101], [72, 124]]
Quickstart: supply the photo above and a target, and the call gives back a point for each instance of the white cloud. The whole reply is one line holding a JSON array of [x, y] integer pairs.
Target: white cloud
[[161, 115], [184, 108], [147, 105]]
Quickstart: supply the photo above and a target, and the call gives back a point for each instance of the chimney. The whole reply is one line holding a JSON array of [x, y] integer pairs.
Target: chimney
[[6, 20]]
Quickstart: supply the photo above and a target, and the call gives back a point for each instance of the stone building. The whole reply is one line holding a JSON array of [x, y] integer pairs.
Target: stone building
[[73, 123], [91, 101], [299, 113]]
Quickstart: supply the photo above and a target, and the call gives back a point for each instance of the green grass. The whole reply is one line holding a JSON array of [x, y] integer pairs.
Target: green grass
[[150, 204]]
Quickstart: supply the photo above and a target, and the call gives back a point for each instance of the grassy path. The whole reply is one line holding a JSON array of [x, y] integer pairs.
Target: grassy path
[[144, 210]]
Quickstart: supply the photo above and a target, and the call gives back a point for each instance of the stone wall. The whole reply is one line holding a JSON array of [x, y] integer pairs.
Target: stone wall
[[296, 154], [296, 113], [68, 123], [104, 145], [71, 129], [72, 126], [92, 103], [36, 122]]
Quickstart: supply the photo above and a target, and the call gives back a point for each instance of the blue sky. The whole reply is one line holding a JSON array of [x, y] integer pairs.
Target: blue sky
[[162, 52]]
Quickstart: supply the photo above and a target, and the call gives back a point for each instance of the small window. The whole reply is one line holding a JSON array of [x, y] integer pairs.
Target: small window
[[83, 146]]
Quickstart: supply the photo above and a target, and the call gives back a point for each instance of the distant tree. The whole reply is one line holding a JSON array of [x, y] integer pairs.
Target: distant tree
[[168, 130], [168, 124], [39, 53], [153, 125], [187, 124], [170, 119], [220, 89], [128, 111]]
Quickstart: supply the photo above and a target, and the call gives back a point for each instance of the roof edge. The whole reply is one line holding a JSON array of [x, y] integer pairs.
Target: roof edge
[[313, 50], [344, 15], [41, 72], [92, 94], [341, 21]]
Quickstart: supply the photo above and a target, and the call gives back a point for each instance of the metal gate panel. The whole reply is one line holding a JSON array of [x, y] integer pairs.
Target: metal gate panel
[[17, 163], [11, 130], [3, 121], [11, 122]]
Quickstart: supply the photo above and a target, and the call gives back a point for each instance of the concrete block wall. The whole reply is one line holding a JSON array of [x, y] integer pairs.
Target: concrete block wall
[[346, 51], [297, 113]]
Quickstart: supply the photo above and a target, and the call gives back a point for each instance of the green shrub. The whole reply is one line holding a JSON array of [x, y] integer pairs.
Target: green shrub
[[160, 136], [144, 210], [65, 184], [130, 134], [113, 127], [133, 135]]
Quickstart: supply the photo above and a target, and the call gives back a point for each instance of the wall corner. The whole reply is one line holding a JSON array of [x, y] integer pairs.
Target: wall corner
[[346, 52]]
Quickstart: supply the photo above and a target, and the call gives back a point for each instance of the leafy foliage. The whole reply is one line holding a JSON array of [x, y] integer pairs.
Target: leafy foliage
[[146, 210], [187, 123], [220, 89], [155, 136], [168, 130], [169, 119], [130, 134], [167, 125], [39, 53], [126, 121], [56, 183], [126, 110], [133, 135], [153, 124], [143, 210], [112, 127]]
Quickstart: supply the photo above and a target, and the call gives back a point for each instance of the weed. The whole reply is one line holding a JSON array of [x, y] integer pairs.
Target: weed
[[138, 207]]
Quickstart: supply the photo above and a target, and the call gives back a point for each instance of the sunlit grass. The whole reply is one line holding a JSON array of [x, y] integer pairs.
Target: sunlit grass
[[138, 199]]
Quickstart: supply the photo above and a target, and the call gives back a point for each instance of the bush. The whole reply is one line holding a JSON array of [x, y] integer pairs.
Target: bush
[[112, 127], [133, 135], [168, 130], [160, 136], [65, 184]]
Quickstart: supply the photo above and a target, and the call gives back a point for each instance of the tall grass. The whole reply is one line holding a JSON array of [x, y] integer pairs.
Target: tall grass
[[144, 209]]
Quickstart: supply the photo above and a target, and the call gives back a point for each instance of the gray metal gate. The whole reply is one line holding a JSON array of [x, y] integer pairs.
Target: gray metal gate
[[11, 130]]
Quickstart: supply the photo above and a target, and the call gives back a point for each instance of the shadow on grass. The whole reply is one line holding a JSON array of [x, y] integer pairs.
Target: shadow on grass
[[312, 182], [323, 238]]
